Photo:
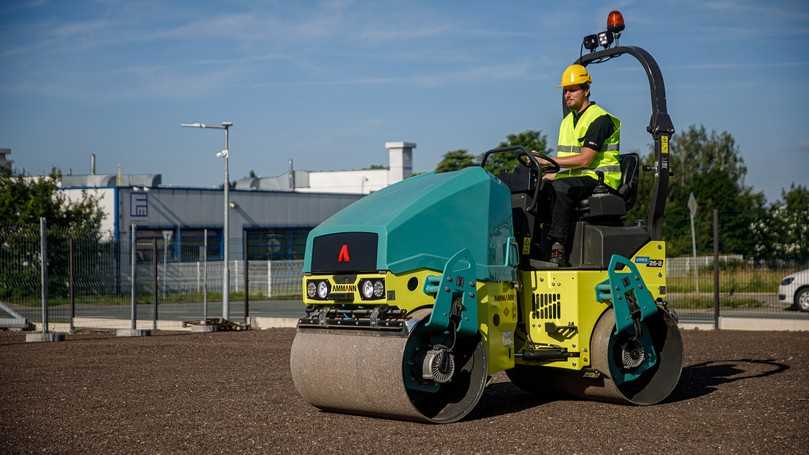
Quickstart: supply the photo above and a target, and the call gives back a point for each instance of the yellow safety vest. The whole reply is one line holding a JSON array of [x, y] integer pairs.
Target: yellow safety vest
[[606, 159]]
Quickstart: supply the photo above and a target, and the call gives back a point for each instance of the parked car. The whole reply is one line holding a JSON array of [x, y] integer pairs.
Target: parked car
[[794, 290]]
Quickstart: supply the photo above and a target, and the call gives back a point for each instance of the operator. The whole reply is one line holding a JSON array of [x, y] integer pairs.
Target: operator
[[589, 139]]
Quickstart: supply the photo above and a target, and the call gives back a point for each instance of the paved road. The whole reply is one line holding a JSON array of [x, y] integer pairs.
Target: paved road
[[294, 308], [170, 311]]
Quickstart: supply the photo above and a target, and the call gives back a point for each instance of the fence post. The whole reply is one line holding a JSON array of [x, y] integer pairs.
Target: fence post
[[205, 276], [43, 272], [133, 325], [269, 278], [154, 280], [716, 269], [71, 284], [246, 263], [236, 272]]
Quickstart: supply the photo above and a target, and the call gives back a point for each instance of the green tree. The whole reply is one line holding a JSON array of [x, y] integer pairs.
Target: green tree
[[528, 139], [784, 234], [22, 202], [710, 166], [454, 160]]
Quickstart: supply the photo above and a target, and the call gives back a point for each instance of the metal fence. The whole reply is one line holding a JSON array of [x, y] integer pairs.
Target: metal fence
[[88, 275]]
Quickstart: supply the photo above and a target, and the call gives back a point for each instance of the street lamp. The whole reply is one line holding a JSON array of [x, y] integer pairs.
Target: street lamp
[[223, 154]]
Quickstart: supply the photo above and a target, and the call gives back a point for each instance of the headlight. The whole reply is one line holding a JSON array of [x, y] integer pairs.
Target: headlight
[[788, 280], [322, 290], [379, 288], [311, 289], [368, 289]]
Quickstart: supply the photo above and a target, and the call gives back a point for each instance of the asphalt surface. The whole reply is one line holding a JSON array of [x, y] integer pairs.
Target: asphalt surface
[[741, 392], [294, 309]]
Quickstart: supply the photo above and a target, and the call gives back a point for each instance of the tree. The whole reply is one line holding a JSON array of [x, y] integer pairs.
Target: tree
[[454, 160], [711, 167], [376, 167], [528, 139], [22, 203], [784, 235]]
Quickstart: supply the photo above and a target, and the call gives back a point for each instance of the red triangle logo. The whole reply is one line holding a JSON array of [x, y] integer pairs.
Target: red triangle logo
[[344, 256]]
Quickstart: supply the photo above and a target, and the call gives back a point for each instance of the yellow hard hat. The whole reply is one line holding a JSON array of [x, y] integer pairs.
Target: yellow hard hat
[[575, 75]]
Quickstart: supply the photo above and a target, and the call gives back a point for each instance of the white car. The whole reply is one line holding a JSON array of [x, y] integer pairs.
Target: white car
[[794, 290]]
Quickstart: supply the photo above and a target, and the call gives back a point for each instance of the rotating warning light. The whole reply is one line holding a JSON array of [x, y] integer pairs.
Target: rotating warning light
[[615, 22]]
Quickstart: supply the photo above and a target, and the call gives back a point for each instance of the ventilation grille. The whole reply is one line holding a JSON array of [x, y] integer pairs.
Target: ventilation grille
[[546, 306]]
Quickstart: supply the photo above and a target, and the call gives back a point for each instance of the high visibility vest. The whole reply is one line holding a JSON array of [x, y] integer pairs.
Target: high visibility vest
[[606, 159]]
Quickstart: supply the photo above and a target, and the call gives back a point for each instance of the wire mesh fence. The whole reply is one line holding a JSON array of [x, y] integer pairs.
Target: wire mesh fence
[[745, 288], [90, 276]]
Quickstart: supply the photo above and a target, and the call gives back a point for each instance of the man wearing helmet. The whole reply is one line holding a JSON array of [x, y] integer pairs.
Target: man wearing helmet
[[588, 145]]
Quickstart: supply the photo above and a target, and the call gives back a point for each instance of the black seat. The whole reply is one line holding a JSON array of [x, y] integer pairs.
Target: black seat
[[611, 203]]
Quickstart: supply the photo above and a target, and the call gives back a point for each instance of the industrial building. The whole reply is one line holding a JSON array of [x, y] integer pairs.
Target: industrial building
[[273, 214]]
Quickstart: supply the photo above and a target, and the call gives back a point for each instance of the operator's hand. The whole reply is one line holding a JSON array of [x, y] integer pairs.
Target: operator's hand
[[542, 161], [549, 177]]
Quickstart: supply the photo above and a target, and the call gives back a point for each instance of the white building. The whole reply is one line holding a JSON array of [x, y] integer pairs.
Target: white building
[[362, 181]]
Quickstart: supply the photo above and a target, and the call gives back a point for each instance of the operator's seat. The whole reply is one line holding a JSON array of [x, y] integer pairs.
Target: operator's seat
[[608, 204]]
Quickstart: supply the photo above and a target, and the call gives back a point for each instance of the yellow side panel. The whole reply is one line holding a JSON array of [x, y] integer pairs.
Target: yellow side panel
[[651, 263], [567, 298], [497, 313], [562, 298]]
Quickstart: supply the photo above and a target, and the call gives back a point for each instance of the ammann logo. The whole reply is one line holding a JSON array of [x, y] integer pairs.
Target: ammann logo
[[344, 288], [503, 297]]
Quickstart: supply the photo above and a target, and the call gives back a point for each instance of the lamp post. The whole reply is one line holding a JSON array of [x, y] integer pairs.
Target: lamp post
[[223, 154]]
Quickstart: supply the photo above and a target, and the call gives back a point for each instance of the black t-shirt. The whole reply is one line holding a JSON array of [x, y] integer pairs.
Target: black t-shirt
[[598, 132]]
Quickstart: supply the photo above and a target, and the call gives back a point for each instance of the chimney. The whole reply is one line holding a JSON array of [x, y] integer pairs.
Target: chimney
[[400, 160], [92, 164], [291, 175]]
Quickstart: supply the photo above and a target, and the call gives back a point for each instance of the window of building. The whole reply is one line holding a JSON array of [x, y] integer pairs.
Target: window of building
[[186, 248], [276, 243], [193, 240]]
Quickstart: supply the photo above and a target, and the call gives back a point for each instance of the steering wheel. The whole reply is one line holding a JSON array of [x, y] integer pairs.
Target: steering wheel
[[549, 167], [531, 161]]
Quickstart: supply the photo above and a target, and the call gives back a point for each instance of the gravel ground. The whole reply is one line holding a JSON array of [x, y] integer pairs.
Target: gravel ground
[[741, 392]]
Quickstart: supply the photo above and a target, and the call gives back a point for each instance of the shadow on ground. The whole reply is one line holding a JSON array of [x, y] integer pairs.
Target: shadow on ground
[[706, 377], [697, 380]]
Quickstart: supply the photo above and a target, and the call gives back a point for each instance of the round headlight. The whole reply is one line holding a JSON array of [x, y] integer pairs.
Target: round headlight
[[322, 290], [311, 289], [379, 289], [368, 289]]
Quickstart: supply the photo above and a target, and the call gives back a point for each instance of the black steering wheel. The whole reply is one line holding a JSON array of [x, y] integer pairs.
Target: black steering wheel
[[531, 161]]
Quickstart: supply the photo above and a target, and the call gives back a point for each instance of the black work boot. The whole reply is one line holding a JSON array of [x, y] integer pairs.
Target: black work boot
[[558, 256]]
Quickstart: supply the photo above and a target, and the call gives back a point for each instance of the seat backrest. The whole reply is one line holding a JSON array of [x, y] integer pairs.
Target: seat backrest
[[630, 166]]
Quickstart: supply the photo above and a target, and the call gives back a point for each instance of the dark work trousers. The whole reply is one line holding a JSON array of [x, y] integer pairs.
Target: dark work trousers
[[565, 195]]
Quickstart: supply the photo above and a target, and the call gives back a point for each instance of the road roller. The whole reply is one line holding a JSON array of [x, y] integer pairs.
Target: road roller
[[418, 294]]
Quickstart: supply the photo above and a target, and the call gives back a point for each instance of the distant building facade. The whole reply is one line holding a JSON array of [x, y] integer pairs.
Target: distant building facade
[[271, 216], [362, 181]]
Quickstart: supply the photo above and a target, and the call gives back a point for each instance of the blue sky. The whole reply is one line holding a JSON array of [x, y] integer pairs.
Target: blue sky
[[327, 83]]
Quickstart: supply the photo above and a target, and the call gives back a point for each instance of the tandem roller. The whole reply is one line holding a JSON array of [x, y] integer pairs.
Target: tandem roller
[[418, 293]]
